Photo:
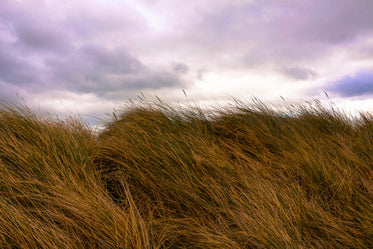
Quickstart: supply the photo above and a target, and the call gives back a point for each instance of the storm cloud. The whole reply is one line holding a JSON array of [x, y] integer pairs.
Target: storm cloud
[[118, 48], [41, 53], [268, 32], [15, 69]]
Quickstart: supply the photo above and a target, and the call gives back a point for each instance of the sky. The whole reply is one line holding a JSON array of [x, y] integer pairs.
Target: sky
[[90, 56]]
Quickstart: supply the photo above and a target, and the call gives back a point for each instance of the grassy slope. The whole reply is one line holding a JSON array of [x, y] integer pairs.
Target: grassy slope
[[245, 177]]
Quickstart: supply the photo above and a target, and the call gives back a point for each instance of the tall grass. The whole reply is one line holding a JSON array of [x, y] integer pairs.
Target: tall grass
[[158, 177]]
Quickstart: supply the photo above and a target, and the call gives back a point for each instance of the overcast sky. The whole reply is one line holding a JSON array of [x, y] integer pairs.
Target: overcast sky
[[88, 56]]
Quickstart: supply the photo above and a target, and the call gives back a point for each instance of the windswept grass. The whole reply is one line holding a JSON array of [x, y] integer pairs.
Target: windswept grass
[[157, 177]]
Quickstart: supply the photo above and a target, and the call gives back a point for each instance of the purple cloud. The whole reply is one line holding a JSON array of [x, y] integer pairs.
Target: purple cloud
[[57, 49], [282, 32], [90, 69], [15, 69], [108, 48], [41, 38], [312, 21], [355, 85], [180, 68], [299, 73], [93, 69]]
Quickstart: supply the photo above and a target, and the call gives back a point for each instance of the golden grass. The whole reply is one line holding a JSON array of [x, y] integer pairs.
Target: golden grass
[[157, 177]]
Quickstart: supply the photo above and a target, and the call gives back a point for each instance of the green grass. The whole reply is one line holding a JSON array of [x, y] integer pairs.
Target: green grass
[[159, 177]]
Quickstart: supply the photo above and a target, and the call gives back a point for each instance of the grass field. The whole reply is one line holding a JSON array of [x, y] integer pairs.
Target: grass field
[[244, 176]]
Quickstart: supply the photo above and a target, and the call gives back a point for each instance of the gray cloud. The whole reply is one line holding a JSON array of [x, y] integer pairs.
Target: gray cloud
[[356, 85], [34, 31], [59, 53], [272, 32], [15, 69], [91, 60], [316, 21], [93, 69], [40, 37], [9, 92], [335, 21], [299, 73], [180, 68], [94, 20], [200, 73]]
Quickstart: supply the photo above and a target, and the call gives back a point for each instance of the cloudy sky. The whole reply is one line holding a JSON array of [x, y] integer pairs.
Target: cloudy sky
[[89, 56]]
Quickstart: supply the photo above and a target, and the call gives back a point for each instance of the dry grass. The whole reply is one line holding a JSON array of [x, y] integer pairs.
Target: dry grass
[[156, 177]]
